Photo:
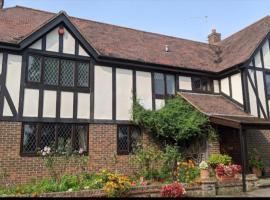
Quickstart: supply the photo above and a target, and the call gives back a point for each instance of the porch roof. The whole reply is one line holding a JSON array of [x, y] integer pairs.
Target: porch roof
[[224, 112]]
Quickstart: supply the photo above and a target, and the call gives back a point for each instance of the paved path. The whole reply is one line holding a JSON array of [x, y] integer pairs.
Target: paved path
[[264, 192]]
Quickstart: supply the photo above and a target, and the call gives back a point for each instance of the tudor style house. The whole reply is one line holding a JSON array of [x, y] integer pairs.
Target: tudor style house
[[71, 82]]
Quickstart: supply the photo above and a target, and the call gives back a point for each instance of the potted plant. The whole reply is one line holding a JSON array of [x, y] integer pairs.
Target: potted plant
[[227, 172], [204, 170], [256, 165]]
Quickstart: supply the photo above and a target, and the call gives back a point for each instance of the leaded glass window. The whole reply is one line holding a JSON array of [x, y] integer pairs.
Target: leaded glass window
[[267, 80], [83, 74], [159, 84], [67, 73], [128, 138], [65, 138], [201, 84], [34, 69], [51, 71], [170, 84]]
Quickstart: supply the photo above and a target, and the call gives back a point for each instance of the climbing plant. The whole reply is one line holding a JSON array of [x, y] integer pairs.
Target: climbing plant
[[177, 120]]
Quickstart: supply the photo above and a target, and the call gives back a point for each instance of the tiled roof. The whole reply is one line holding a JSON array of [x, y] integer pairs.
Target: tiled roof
[[119, 42], [211, 104]]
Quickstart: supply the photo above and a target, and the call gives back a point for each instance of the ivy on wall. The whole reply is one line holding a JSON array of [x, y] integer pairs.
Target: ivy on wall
[[177, 120]]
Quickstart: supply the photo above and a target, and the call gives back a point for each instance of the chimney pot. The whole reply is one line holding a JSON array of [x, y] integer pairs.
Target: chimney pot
[[214, 37], [1, 4]]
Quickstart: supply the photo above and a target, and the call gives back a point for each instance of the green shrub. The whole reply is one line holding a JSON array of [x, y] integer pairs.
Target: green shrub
[[216, 159], [67, 182]]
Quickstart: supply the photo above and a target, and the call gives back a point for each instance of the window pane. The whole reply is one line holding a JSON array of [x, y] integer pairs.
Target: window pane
[[47, 136], [80, 139], [170, 84], [268, 83], [197, 83], [134, 137], [29, 138], [83, 74], [67, 73], [159, 84], [51, 71], [34, 69], [64, 138], [123, 139]]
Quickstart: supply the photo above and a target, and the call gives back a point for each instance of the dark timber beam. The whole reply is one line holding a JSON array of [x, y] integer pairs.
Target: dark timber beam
[[242, 135]]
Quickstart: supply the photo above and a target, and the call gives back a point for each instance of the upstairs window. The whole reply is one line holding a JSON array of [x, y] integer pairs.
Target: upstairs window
[[57, 72], [62, 138], [267, 81], [127, 138], [201, 84], [164, 85]]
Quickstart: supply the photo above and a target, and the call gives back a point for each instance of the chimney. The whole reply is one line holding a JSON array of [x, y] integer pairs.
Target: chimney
[[214, 37], [1, 4]]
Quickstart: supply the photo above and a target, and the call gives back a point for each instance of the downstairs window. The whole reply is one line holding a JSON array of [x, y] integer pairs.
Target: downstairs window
[[128, 137], [62, 138]]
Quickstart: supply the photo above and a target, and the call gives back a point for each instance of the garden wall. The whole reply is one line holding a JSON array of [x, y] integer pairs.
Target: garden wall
[[102, 154]]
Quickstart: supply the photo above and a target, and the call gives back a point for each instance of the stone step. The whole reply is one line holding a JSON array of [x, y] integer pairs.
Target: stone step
[[263, 182]]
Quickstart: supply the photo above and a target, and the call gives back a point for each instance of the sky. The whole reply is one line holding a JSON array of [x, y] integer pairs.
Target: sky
[[188, 19]]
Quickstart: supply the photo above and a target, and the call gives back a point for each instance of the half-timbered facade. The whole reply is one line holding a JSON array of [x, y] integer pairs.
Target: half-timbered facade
[[71, 82]]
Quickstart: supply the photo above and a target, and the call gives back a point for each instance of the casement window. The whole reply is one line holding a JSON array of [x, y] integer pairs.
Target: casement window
[[58, 72], [60, 137], [267, 81], [164, 85], [201, 84], [128, 137]]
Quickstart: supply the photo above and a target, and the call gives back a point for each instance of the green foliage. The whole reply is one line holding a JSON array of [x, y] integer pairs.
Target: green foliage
[[255, 160], [148, 160], [177, 120], [215, 159], [187, 172]]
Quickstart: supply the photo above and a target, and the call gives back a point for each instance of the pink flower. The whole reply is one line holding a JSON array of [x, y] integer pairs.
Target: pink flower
[[81, 150]]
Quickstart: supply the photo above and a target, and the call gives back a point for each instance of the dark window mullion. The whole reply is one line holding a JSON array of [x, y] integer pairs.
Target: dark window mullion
[[73, 129], [56, 137], [38, 137], [129, 139]]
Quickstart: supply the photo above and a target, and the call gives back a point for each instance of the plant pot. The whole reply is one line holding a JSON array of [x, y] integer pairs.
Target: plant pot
[[204, 174], [225, 178], [257, 172]]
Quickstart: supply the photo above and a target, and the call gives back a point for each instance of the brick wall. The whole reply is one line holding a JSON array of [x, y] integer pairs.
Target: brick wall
[[260, 139], [102, 154], [213, 147]]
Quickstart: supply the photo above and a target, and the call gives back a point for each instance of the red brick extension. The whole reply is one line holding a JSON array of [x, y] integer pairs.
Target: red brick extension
[[102, 153]]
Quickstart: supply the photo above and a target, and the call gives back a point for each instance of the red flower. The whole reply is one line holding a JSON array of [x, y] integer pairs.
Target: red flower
[[173, 190]]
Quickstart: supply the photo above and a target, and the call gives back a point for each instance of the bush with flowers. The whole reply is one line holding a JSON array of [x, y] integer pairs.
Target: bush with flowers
[[173, 190], [187, 172], [227, 170], [203, 165]]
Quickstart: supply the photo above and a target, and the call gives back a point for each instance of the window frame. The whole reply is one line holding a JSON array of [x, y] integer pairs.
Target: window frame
[[56, 126], [209, 82], [75, 87], [166, 95], [265, 75], [129, 151]]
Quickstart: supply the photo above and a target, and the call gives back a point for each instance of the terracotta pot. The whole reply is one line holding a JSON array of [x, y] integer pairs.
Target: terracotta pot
[[257, 172], [204, 174], [225, 178]]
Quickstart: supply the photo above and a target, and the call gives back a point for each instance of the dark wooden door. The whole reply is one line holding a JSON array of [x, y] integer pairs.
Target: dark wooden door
[[230, 143]]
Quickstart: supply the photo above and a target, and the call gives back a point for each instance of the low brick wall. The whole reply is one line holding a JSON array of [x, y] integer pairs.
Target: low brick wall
[[206, 189]]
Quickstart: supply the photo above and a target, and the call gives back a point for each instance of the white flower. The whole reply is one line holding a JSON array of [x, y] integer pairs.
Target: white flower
[[44, 153], [70, 190], [81, 150], [86, 187], [203, 165]]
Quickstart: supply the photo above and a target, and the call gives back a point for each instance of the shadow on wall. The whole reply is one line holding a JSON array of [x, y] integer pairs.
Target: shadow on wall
[[260, 139]]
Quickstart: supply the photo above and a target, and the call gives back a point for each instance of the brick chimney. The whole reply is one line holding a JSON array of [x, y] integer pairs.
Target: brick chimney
[[214, 37], [1, 4]]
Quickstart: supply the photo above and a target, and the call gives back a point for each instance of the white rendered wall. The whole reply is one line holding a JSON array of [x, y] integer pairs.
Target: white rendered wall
[[185, 83], [103, 93], [225, 88], [68, 43], [258, 62], [266, 54], [82, 52], [13, 80], [52, 41], [160, 103], [66, 110], [83, 109], [36, 45], [261, 90], [144, 89], [237, 91], [216, 86], [49, 103], [7, 111], [31, 99], [252, 97], [123, 94]]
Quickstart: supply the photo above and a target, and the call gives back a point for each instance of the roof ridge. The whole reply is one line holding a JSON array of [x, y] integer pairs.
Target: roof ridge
[[243, 29], [118, 26]]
